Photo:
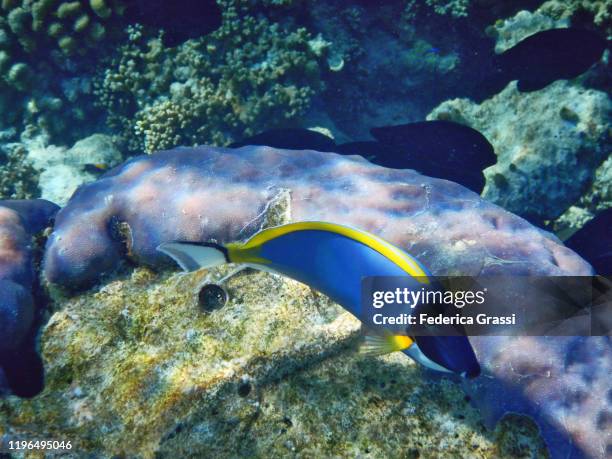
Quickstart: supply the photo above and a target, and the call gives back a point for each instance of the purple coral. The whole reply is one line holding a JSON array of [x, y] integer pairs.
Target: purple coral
[[562, 382], [19, 222], [198, 194]]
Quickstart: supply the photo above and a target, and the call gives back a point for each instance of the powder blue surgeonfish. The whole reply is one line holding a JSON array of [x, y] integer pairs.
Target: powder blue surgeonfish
[[334, 259]]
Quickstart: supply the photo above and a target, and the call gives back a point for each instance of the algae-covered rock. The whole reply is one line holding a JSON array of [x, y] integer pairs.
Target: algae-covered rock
[[127, 363], [137, 369]]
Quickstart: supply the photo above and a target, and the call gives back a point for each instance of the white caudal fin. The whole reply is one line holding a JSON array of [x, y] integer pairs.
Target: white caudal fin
[[193, 256], [417, 355]]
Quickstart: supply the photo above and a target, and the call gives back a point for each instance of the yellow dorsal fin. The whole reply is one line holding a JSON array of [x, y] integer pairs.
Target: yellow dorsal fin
[[385, 344], [247, 252]]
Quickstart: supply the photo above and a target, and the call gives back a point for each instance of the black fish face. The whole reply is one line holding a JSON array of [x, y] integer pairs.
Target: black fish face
[[446, 143]]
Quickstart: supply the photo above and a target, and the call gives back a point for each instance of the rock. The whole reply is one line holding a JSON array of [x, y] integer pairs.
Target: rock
[[136, 369], [63, 170], [596, 199], [95, 149], [534, 177]]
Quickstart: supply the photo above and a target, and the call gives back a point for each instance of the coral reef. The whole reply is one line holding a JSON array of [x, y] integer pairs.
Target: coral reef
[[533, 176], [38, 72], [455, 8], [580, 12], [249, 75], [34, 168], [140, 342], [19, 223], [382, 62], [137, 369], [198, 194]]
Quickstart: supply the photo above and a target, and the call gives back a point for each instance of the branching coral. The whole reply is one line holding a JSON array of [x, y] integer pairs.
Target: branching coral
[[18, 179], [249, 75]]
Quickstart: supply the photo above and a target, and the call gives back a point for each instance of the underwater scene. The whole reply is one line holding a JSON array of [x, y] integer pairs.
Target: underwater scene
[[305, 228]]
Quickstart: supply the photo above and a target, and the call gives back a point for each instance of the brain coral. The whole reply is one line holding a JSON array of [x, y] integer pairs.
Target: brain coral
[[248, 75]]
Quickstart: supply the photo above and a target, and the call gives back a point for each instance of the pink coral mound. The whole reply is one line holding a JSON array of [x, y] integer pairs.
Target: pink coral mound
[[204, 193]]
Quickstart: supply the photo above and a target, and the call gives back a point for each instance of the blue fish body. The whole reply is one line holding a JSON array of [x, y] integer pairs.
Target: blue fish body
[[330, 263], [334, 260]]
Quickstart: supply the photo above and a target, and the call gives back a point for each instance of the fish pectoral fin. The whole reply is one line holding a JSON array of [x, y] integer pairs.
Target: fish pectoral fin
[[380, 345], [193, 256]]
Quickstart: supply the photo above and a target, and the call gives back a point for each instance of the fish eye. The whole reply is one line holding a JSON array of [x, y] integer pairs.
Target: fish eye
[[212, 297]]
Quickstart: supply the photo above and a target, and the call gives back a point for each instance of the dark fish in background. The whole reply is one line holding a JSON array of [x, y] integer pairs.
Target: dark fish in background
[[551, 55], [440, 149], [444, 142], [593, 242], [290, 139], [180, 20]]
